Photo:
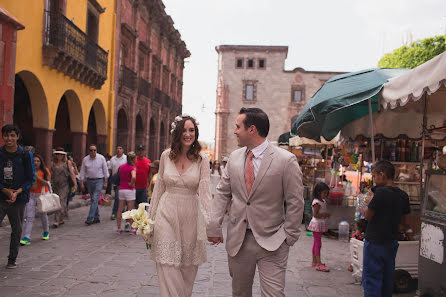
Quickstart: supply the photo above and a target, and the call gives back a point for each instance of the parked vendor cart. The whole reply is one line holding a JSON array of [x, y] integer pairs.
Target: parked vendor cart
[[425, 88]]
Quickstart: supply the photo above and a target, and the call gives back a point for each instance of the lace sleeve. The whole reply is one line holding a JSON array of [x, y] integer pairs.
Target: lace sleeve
[[204, 194], [158, 190]]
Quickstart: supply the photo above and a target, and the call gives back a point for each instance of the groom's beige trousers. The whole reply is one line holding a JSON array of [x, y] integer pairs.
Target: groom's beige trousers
[[176, 281], [271, 266]]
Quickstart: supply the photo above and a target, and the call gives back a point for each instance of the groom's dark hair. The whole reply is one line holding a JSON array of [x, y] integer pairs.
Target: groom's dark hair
[[258, 118]]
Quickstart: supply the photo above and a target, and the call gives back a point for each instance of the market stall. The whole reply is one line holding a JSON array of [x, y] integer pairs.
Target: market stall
[[425, 86]]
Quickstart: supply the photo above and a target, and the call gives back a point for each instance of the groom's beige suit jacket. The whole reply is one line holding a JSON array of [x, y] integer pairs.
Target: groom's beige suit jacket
[[278, 181]]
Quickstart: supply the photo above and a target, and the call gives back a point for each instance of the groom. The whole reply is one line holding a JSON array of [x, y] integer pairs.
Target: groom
[[259, 179]]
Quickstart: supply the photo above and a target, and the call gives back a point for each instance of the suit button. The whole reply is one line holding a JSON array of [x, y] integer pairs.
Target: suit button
[[244, 221], [249, 203]]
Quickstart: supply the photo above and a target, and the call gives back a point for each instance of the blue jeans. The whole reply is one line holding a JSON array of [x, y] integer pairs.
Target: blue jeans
[[378, 268], [116, 202], [94, 188], [141, 196]]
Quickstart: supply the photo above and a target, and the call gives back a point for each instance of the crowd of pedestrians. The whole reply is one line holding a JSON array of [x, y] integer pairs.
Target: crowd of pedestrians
[[24, 177]]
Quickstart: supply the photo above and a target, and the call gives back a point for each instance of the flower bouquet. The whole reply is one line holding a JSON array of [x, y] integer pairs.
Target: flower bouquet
[[141, 221]]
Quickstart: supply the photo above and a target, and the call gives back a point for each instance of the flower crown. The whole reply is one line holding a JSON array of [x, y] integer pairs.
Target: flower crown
[[178, 119]]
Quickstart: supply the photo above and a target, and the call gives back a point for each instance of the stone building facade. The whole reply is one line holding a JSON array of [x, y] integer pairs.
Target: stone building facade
[[148, 88], [254, 76], [61, 81], [9, 26]]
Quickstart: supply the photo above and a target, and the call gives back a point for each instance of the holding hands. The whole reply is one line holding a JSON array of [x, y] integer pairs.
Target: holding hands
[[215, 240]]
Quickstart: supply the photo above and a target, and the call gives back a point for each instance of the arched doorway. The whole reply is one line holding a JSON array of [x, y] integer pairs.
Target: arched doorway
[[69, 121], [152, 140], [162, 138], [30, 113], [92, 135], [139, 131], [96, 131], [62, 136], [123, 132], [23, 115]]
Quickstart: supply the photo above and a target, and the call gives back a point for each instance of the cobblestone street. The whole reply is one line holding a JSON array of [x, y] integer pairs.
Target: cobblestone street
[[81, 260]]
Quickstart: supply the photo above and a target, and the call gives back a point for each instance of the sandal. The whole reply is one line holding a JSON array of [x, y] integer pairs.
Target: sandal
[[322, 268], [55, 225], [315, 264]]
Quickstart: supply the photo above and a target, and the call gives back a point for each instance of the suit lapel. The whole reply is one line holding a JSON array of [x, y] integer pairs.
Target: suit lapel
[[241, 174], [264, 165]]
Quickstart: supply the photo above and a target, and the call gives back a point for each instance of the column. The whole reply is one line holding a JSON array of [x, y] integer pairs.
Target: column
[[101, 143], [44, 143], [8, 42], [79, 146]]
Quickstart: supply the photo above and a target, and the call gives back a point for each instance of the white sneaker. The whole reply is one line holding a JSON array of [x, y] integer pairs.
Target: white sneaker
[[127, 227]]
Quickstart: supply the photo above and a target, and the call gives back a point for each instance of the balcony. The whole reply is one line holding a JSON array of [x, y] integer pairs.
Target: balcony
[[69, 50], [165, 100], [157, 95], [127, 78], [179, 109], [144, 87]]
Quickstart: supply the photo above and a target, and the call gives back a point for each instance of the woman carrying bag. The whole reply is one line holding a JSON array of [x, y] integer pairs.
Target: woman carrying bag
[[61, 171], [40, 186]]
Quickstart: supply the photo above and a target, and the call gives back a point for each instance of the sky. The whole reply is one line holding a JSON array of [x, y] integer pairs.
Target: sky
[[321, 35]]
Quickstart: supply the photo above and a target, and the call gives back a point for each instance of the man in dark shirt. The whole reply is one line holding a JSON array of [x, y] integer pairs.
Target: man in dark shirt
[[16, 179], [384, 214]]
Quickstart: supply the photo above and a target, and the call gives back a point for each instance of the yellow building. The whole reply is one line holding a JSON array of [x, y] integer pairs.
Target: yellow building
[[64, 73]]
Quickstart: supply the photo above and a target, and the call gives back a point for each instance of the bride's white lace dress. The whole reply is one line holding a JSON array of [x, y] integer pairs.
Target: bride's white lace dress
[[180, 208]]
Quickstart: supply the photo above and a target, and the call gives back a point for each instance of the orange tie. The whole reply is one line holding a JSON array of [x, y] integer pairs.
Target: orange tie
[[249, 172]]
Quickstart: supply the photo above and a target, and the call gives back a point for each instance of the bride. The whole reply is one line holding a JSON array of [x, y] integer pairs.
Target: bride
[[180, 209]]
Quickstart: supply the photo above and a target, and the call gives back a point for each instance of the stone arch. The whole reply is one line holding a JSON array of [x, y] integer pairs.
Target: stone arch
[[139, 130], [101, 120], [162, 138], [75, 108], [69, 121], [96, 129], [37, 98], [152, 139], [122, 129]]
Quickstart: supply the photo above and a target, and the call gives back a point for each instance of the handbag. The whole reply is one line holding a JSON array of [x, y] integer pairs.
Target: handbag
[[48, 202]]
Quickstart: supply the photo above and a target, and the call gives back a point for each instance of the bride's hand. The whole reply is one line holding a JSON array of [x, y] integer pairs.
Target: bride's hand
[[146, 237]]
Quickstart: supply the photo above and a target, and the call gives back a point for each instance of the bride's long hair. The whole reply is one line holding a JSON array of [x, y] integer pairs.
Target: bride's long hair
[[175, 147]]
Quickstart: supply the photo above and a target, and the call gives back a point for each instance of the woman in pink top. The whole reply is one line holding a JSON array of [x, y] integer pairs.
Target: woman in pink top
[[127, 177]]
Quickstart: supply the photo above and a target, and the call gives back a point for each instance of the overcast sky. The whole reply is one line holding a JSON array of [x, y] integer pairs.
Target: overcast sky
[[343, 35]]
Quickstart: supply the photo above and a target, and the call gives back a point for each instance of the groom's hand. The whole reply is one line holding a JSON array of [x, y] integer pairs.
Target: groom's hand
[[215, 240]]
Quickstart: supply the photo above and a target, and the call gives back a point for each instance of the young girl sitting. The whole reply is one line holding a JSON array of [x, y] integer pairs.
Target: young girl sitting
[[318, 223]]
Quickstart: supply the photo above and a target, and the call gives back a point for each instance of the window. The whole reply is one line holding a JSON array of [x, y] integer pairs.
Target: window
[[249, 91], [239, 63], [92, 26], [297, 96], [142, 63], [261, 64], [250, 63]]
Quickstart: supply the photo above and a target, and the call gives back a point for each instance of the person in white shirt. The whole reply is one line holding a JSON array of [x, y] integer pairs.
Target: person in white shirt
[[95, 173], [115, 162]]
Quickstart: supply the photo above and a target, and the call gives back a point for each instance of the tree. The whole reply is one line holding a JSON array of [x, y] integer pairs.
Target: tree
[[414, 54]]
